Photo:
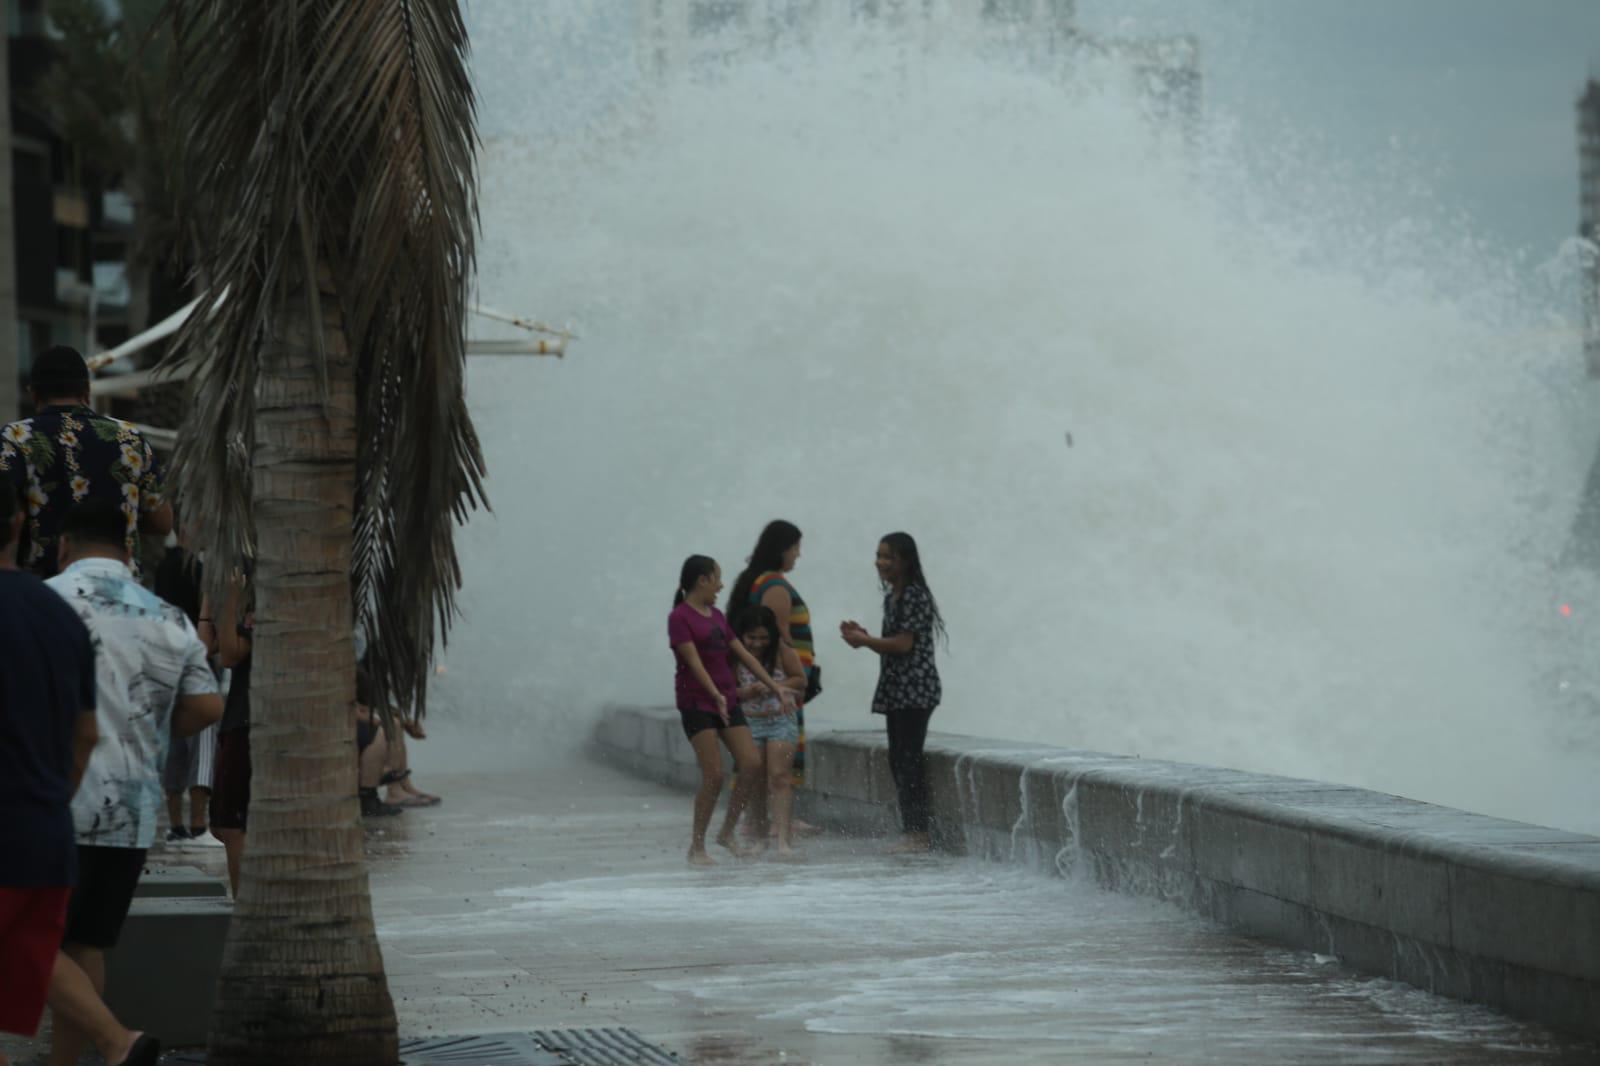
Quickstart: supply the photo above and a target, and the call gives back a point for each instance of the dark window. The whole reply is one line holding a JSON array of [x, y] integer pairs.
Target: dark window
[[30, 167]]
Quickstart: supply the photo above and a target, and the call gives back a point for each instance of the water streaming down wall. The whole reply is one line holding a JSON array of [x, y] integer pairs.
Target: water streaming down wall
[[1193, 479], [1463, 905], [1459, 904]]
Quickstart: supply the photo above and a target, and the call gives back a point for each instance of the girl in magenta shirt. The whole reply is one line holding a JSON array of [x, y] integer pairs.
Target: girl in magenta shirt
[[708, 701]]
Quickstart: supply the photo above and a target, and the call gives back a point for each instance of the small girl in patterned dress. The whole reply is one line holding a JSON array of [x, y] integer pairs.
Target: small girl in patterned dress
[[773, 726]]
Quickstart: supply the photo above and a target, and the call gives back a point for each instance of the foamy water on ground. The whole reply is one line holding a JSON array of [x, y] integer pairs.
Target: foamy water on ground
[[853, 943]]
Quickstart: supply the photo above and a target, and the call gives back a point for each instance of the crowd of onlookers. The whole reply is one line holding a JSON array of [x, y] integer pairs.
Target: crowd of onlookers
[[114, 692]]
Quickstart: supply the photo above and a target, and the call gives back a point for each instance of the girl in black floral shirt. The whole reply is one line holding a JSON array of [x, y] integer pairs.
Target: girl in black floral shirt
[[908, 681]]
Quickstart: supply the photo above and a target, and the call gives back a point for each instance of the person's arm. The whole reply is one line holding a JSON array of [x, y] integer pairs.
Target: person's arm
[[781, 604], [233, 647], [750, 691], [691, 658], [85, 735], [193, 713], [856, 635], [912, 621], [753, 664], [206, 627], [85, 728], [199, 703], [155, 513], [157, 521], [794, 671], [14, 467]]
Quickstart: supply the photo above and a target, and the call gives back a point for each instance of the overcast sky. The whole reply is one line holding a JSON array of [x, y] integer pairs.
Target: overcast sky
[[1480, 92]]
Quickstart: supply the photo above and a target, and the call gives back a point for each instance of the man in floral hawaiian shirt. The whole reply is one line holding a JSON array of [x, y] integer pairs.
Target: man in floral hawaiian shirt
[[67, 453]]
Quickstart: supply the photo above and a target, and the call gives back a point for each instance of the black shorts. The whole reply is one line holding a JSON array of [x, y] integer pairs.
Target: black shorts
[[230, 787], [366, 733], [100, 902], [696, 720]]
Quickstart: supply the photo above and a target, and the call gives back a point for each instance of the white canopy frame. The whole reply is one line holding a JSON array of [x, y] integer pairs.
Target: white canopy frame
[[132, 382]]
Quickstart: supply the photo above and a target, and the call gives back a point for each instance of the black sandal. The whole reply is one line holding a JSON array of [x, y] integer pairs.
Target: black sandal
[[146, 1051]]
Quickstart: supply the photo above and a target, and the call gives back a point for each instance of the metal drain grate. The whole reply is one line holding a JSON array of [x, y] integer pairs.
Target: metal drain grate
[[498, 1049], [605, 1047], [543, 1047]]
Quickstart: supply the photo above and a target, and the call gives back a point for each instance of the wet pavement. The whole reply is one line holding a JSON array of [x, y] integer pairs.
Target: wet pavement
[[559, 898]]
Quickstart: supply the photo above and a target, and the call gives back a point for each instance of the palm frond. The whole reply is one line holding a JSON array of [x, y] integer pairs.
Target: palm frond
[[365, 111]]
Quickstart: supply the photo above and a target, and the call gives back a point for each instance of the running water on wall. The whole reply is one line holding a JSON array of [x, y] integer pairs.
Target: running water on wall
[[1195, 476]]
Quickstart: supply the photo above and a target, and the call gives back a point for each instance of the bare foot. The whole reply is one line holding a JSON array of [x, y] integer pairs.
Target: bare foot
[[428, 799], [804, 829], [913, 844], [785, 853], [405, 797], [698, 857], [738, 850]]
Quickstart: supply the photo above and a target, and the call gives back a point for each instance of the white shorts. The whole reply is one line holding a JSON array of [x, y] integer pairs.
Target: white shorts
[[191, 762]]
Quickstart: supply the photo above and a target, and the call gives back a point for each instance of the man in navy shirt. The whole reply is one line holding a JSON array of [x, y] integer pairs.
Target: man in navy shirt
[[47, 731]]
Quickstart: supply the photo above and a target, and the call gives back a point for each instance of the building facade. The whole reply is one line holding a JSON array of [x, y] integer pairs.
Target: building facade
[[70, 227], [1589, 218], [10, 372]]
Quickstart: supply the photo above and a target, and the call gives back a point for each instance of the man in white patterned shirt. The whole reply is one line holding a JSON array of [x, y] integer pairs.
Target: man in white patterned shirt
[[151, 683]]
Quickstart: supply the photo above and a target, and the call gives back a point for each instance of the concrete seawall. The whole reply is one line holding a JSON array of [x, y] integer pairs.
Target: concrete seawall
[[1464, 905]]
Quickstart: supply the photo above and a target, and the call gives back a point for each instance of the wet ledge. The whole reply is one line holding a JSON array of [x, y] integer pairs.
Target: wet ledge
[[1464, 905]]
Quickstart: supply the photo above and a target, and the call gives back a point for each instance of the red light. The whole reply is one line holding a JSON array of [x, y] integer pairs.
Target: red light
[[1566, 610]]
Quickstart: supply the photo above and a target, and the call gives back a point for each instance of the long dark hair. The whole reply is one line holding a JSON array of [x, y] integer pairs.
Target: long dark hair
[[777, 538], [759, 617], [694, 568], [904, 547]]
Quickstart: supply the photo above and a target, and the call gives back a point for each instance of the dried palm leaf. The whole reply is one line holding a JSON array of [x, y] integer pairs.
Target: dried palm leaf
[[338, 135]]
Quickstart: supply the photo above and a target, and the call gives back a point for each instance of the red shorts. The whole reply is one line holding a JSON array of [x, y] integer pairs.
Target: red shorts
[[31, 923]]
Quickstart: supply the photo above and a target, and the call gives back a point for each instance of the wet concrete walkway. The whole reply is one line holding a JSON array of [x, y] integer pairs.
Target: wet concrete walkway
[[560, 898]]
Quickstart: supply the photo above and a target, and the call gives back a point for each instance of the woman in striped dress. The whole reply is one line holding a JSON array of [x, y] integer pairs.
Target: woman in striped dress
[[765, 582]]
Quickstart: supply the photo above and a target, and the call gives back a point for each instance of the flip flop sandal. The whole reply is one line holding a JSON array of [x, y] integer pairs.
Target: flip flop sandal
[[146, 1051]]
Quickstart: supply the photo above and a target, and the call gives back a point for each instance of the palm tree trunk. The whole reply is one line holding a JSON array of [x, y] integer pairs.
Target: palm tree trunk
[[303, 978]]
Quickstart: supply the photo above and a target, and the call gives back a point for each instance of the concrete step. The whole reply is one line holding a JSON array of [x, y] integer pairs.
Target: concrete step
[[162, 975], [164, 881]]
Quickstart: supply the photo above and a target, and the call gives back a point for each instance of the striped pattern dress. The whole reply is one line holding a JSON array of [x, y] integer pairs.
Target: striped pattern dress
[[800, 636]]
